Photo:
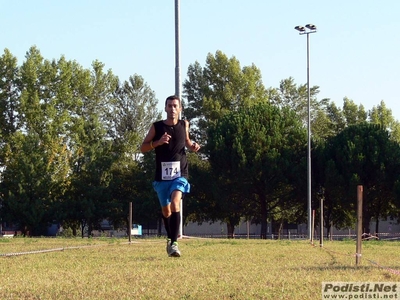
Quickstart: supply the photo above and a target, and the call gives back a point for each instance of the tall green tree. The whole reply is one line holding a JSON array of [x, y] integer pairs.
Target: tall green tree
[[134, 109], [255, 152], [331, 119], [92, 150], [9, 107], [330, 182], [9, 96], [201, 204], [352, 113], [361, 154], [40, 127], [220, 87], [295, 97], [33, 179], [383, 116]]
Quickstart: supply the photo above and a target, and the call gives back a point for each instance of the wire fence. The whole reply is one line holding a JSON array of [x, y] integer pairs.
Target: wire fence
[[294, 236], [388, 269]]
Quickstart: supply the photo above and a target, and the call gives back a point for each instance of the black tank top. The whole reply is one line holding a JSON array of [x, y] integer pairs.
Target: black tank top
[[172, 152]]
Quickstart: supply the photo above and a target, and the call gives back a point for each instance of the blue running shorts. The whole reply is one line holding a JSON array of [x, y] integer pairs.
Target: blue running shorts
[[165, 188]]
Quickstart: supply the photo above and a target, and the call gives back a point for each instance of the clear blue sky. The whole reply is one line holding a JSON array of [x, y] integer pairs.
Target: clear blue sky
[[355, 52]]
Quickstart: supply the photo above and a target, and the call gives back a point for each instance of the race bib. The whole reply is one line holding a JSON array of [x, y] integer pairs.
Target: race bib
[[170, 170]]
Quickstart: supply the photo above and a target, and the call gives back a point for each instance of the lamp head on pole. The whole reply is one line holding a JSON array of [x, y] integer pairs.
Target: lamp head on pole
[[311, 27], [300, 28]]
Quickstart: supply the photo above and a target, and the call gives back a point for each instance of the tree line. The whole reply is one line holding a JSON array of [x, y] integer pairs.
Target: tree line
[[70, 137]]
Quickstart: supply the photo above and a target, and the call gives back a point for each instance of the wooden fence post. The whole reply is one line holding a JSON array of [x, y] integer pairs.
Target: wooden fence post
[[321, 238], [359, 223], [130, 222]]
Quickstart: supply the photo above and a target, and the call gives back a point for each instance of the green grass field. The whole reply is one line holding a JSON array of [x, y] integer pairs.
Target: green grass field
[[208, 269]]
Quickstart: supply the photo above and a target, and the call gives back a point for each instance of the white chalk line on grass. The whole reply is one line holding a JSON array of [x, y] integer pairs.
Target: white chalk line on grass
[[31, 252], [64, 248], [87, 246], [195, 237]]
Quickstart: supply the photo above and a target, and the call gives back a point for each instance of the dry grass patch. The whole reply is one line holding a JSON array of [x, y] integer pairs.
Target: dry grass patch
[[208, 268]]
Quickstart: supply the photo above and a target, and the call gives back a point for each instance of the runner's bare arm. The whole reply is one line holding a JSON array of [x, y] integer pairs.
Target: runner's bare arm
[[189, 144]]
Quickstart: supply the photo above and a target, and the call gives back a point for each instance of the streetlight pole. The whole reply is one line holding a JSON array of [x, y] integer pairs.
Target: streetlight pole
[[178, 85], [309, 28], [177, 51]]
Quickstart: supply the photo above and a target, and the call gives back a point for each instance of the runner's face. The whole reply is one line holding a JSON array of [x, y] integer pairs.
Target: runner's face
[[173, 108]]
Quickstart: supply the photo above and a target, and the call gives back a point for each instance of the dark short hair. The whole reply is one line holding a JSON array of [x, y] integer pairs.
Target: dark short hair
[[173, 97]]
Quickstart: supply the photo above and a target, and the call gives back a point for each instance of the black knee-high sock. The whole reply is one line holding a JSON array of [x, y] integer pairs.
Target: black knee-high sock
[[167, 226], [174, 225]]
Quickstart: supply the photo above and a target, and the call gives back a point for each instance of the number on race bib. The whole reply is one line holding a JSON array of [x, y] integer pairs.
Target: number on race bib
[[170, 170]]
